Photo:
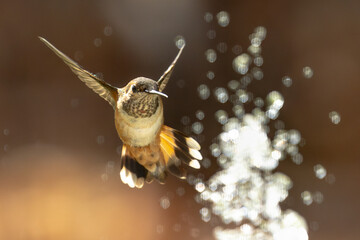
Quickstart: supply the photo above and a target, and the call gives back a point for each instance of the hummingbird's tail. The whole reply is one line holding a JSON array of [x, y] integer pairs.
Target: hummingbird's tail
[[132, 173], [142, 164], [170, 153], [178, 149]]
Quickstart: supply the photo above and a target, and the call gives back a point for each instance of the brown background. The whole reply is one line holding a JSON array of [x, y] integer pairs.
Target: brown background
[[52, 165]]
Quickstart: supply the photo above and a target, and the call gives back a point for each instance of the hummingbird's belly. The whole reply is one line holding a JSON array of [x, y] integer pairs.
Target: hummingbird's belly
[[138, 132]]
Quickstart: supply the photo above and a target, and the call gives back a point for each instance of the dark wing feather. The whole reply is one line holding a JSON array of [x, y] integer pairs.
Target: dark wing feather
[[105, 90], [166, 76]]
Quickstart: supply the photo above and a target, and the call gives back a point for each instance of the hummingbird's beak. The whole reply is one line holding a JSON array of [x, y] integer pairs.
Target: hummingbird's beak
[[156, 92]]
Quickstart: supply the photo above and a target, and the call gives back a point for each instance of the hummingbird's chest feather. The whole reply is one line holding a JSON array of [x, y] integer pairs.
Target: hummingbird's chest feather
[[135, 131]]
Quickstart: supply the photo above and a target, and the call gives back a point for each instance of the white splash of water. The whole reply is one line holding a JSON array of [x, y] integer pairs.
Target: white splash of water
[[247, 191]]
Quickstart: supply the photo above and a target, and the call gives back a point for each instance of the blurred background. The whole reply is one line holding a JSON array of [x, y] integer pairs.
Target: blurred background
[[59, 151]]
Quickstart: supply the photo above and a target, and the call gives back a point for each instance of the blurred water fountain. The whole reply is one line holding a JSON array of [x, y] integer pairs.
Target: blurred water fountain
[[247, 191]]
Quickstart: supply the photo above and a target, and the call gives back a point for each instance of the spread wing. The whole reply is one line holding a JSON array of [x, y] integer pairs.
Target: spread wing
[[105, 90], [166, 76]]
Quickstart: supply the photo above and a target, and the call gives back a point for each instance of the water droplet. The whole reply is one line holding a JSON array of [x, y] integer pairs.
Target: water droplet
[[221, 95], [191, 179], [205, 214], [185, 120], [206, 163], [179, 41], [200, 186], [211, 34], [97, 42], [223, 18], [203, 91], [215, 149], [318, 197], [292, 150], [233, 84], [208, 17], [210, 55], [294, 136], [275, 154], [246, 80], [110, 166], [6, 132], [165, 202], [314, 225], [292, 226], [259, 115], [330, 178], [259, 102], [222, 160], [287, 81], [100, 139], [257, 73], [335, 117], [254, 50], [210, 75], [221, 116], [108, 31], [159, 228], [236, 49], [308, 72], [275, 102], [260, 32], [306, 197], [197, 127], [320, 171], [280, 179], [243, 95], [258, 61], [238, 111], [200, 115], [255, 41], [104, 177], [6, 147], [297, 158], [241, 63], [222, 47]]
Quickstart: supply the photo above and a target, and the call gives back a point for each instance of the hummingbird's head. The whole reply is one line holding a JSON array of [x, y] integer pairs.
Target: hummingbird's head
[[141, 97]]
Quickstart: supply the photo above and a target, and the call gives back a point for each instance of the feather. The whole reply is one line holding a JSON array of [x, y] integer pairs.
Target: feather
[[132, 173], [105, 90], [172, 162], [182, 143], [166, 75], [178, 148]]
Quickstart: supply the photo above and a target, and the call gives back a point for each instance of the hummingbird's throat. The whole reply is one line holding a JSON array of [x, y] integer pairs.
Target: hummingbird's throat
[[143, 107]]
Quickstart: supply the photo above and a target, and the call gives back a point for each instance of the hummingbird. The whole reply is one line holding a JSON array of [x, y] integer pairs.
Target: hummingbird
[[150, 149]]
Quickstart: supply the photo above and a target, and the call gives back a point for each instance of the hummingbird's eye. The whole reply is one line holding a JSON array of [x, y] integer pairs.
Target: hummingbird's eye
[[133, 88]]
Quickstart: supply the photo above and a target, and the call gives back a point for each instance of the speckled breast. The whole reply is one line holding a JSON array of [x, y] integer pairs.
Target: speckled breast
[[138, 132]]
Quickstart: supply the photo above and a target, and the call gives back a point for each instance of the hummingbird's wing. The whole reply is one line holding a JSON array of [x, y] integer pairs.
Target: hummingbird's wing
[[105, 90], [166, 75]]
